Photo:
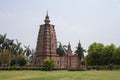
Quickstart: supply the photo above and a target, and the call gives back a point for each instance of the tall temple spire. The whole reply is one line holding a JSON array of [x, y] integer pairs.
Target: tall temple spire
[[46, 42], [69, 49], [47, 21], [69, 46]]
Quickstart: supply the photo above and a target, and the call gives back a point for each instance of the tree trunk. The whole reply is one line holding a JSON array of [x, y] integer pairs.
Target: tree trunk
[[9, 59], [2, 58], [60, 62], [16, 62], [79, 64]]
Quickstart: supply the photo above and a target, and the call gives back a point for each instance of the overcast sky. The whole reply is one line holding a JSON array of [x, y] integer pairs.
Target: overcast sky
[[85, 20]]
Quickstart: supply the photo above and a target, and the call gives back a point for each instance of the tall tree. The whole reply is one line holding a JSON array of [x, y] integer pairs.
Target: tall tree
[[98, 54], [0, 56], [61, 51], [80, 54], [10, 48], [2, 46], [94, 53], [116, 56], [108, 53], [18, 50], [28, 54], [32, 56]]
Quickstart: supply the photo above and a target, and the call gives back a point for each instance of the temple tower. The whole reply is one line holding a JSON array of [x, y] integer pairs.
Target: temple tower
[[69, 52], [69, 56], [46, 42]]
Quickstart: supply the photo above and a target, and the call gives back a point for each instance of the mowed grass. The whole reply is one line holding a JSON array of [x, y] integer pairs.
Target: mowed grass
[[59, 75]]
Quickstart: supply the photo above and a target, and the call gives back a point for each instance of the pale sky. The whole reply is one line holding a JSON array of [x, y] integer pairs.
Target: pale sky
[[85, 20]]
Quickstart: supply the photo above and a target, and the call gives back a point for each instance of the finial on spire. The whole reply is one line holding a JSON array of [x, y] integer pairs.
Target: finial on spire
[[69, 42], [47, 18], [47, 13]]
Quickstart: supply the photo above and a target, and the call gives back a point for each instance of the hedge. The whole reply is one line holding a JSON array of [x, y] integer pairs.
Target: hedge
[[29, 68]]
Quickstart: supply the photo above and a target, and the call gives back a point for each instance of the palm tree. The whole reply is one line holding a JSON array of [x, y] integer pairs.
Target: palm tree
[[0, 54], [18, 50], [2, 46], [27, 51], [10, 47], [80, 53], [61, 51], [31, 55]]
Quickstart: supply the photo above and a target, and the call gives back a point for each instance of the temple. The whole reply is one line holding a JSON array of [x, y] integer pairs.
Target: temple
[[47, 45]]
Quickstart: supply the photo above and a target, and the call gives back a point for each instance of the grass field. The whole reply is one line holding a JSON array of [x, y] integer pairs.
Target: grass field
[[59, 75]]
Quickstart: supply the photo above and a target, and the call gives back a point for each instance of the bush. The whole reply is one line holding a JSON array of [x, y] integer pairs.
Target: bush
[[13, 62], [0, 60], [116, 66], [21, 60], [48, 64], [75, 69]]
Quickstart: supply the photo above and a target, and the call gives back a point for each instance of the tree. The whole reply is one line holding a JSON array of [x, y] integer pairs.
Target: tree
[[10, 48], [98, 54], [108, 53], [0, 59], [61, 51], [27, 51], [48, 64], [80, 54], [0, 56], [21, 60], [13, 61], [2, 47], [116, 56], [18, 50], [95, 51], [13, 54], [31, 56]]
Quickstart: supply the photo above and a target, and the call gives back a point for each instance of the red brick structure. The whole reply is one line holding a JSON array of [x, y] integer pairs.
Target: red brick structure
[[46, 48]]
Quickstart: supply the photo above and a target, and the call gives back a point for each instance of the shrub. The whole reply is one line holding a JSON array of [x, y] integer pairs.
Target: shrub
[[48, 64], [21, 60]]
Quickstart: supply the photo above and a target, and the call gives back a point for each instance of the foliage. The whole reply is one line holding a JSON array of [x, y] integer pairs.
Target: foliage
[[27, 50], [61, 51], [80, 51], [3, 45], [116, 56], [13, 62], [21, 60], [80, 54], [48, 64], [29, 53], [98, 54], [94, 53], [6, 59], [31, 56], [0, 60], [8, 50]]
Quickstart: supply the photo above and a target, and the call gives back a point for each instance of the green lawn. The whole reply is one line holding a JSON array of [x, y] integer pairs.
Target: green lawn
[[59, 75]]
